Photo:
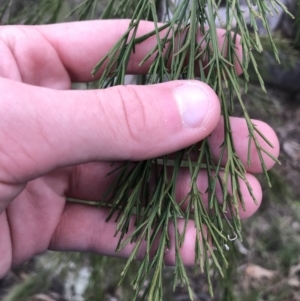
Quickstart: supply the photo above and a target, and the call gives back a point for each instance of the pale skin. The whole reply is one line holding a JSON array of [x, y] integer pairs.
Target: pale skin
[[57, 143]]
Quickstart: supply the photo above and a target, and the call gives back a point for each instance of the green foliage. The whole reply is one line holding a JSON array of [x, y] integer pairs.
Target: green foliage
[[132, 184], [37, 12], [32, 285], [297, 26], [104, 271], [130, 195]]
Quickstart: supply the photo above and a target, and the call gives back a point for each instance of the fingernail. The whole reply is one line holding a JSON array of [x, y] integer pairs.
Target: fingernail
[[193, 104]]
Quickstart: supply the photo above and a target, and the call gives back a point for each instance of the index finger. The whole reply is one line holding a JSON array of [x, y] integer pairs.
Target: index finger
[[80, 45], [90, 41]]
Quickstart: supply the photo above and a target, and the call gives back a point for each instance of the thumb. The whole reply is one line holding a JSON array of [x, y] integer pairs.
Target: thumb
[[44, 129], [141, 122]]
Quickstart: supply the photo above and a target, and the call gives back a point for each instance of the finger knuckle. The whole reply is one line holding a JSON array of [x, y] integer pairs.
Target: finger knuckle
[[134, 113]]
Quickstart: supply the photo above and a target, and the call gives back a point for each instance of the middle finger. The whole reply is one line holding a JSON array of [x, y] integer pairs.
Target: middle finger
[[91, 181]]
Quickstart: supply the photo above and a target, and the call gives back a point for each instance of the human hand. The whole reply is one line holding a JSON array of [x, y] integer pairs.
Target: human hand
[[58, 143]]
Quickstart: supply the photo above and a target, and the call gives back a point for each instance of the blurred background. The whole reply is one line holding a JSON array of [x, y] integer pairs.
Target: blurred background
[[266, 264]]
